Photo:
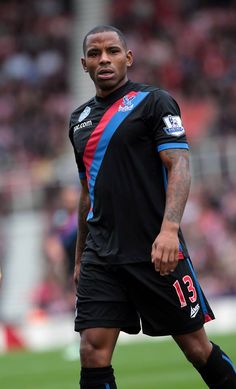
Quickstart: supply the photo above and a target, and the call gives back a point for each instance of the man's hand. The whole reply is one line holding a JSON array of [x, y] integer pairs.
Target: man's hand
[[165, 252], [76, 274], [84, 206]]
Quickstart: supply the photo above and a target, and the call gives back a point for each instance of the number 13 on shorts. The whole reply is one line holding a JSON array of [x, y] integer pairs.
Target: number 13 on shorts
[[187, 280]]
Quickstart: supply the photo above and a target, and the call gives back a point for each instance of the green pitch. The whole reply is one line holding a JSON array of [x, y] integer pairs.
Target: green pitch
[[147, 365]]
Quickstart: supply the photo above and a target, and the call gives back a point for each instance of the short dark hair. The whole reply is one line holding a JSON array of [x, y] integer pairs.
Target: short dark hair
[[103, 28]]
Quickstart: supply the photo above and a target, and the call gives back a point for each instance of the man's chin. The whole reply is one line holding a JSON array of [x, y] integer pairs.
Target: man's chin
[[110, 85], [107, 85]]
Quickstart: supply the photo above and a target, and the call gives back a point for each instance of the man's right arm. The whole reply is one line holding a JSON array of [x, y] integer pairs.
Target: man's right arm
[[84, 206]]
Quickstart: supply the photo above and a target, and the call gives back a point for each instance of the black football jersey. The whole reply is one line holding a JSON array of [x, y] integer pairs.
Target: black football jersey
[[116, 141]]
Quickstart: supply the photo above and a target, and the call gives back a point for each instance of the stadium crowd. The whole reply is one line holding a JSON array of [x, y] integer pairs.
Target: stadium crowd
[[184, 47], [34, 108], [34, 98]]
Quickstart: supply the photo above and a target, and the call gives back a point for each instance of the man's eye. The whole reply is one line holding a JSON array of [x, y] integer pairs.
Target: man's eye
[[92, 54]]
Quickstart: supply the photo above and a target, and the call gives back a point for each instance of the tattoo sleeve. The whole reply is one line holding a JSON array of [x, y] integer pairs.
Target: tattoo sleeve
[[83, 209], [177, 163]]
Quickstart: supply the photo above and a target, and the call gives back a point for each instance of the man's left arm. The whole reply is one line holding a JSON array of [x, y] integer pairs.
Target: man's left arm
[[165, 248]]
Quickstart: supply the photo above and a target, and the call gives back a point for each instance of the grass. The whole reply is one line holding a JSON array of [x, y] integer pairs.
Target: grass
[[143, 365]]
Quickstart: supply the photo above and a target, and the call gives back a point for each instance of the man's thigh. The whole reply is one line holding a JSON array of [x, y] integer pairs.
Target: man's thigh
[[102, 301]]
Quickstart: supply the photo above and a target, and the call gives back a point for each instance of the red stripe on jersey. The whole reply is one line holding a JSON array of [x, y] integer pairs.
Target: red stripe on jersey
[[181, 255], [98, 131]]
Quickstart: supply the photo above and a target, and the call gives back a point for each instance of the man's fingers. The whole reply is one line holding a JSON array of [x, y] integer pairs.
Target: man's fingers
[[164, 266], [156, 256], [168, 263], [164, 259]]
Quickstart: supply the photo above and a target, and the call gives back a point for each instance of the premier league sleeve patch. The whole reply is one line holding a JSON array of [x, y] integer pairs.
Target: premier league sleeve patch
[[173, 125]]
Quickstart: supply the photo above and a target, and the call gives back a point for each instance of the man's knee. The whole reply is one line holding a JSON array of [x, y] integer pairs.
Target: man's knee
[[196, 347], [197, 354], [92, 355], [96, 347]]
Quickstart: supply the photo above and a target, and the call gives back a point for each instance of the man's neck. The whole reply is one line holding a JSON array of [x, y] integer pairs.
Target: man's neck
[[106, 92]]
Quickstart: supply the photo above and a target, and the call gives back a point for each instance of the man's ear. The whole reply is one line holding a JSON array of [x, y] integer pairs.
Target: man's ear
[[129, 56], [84, 64]]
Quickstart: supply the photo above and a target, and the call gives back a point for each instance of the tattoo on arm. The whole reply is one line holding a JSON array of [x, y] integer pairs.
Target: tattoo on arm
[[177, 164]]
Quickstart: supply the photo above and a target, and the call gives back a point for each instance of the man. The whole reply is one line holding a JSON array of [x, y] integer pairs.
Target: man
[[132, 263]]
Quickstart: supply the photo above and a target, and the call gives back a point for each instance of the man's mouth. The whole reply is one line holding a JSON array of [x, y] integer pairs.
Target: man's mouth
[[105, 74]]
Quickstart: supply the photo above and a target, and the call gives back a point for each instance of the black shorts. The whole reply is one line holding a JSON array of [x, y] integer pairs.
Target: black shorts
[[132, 296]]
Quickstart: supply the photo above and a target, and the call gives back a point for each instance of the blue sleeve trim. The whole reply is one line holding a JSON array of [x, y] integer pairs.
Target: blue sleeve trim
[[229, 361], [82, 175], [166, 146]]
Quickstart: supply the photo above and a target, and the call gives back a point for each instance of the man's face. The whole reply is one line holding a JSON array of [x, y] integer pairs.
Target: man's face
[[106, 61]]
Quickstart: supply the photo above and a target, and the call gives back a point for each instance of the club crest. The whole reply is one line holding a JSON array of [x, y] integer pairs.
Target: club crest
[[126, 104]]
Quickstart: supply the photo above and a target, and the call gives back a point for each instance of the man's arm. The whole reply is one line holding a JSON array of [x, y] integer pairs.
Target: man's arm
[[165, 249], [84, 206]]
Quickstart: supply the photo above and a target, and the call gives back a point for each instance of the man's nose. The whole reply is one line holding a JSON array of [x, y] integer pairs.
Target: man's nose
[[104, 57]]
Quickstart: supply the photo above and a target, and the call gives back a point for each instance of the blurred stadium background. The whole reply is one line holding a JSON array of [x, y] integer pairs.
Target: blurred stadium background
[[186, 47]]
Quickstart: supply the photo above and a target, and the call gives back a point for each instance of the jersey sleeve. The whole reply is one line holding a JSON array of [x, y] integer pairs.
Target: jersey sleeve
[[78, 158], [167, 128]]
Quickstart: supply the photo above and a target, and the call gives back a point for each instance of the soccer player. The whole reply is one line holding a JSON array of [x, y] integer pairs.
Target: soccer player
[[132, 264]]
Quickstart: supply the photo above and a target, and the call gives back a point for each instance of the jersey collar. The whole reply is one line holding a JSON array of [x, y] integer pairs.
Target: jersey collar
[[114, 95]]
